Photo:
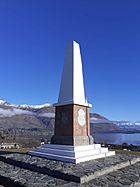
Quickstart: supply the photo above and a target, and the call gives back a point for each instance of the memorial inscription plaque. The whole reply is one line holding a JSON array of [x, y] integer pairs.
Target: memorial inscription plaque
[[81, 117]]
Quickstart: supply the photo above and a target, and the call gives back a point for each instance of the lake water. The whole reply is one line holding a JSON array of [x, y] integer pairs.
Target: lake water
[[117, 138]]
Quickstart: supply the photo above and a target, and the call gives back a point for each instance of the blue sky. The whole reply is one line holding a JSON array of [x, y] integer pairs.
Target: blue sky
[[33, 38]]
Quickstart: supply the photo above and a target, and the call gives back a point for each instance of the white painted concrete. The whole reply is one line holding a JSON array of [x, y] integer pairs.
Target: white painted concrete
[[110, 153], [72, 83], [72, 148], [73, 154]]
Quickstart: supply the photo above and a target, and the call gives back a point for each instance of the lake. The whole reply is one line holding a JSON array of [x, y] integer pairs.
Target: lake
[[117, 138]]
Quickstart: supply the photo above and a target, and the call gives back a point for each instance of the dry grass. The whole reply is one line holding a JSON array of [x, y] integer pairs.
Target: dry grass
[[20, 150], [127, 152]]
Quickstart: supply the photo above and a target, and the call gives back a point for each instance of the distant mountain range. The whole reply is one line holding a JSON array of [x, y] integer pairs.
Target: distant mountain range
[[41, 117], [128, 125]]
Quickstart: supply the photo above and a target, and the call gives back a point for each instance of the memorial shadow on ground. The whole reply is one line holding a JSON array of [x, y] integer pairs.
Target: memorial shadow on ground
[[6, 182]]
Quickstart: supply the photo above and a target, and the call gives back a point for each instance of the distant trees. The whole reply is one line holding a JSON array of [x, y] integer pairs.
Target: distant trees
[[125, 144], [25, 137]]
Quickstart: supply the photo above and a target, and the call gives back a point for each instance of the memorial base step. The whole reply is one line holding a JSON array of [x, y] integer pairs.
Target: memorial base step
[[72, 154]]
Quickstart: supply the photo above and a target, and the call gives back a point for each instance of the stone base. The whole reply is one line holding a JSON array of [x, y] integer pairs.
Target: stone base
[[73, 141], [25, 170], [73, 154]]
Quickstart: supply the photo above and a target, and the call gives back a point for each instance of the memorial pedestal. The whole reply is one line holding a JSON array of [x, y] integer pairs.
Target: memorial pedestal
[[73, 154], [72, 126]]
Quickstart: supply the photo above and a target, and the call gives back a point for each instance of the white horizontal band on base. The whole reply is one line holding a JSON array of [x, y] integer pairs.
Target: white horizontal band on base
[[73, 154]]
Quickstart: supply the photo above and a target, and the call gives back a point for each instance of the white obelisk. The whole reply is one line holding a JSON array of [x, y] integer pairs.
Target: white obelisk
[[72, 141], [72, 83]]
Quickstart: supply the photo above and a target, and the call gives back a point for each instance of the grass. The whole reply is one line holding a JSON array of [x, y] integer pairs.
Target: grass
[[126, 152], [20, 150]]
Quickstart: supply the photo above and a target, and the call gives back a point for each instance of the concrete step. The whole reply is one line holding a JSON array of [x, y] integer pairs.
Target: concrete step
[[71, 148], [103, 150], [110, 153], [73, 154], [53, 156], [68, 158]]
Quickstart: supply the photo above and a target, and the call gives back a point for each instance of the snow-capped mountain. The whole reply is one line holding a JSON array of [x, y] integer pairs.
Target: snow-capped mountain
[[128, 125], [34, 106], [26, 124], [5, 103], [42, 113], [117, 126], [8, 110], [2, 102], [26, 120]]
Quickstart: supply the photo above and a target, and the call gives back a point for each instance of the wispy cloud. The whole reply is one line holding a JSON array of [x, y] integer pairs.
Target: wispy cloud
[[13, 112], [48, 115]]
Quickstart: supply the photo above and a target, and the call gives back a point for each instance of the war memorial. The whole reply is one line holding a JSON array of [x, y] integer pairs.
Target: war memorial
[[72, 141], [72, 158]]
